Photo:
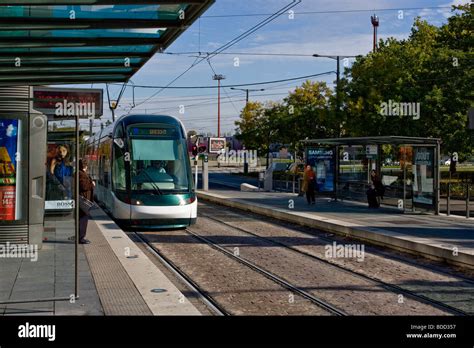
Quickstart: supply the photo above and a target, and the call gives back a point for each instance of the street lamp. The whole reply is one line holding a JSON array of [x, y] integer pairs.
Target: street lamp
[[218, 78], [375, 23], [338, 73]]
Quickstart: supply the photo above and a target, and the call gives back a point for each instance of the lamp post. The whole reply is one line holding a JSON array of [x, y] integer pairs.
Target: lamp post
[[375, 23], [218, 78], [338, 74], [246, 90]]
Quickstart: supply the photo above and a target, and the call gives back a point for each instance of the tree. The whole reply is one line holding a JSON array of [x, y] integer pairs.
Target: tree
[[432, 68], [308, 111], [251, 126]]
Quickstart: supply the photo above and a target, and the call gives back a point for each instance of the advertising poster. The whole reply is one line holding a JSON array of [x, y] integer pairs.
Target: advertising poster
[[323, 161], [423, 173], [59, 182], [216, 145], [8, 168]]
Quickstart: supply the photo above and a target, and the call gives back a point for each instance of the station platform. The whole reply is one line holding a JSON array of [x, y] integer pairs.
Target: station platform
[[443, 238], [115, 277]]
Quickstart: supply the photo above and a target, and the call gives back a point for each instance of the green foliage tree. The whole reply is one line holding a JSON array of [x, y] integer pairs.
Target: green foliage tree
[[307, 112], [432, 67]]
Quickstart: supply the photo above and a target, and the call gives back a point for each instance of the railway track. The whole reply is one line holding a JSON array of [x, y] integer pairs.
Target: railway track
[[319, 302], [188, 282], [385, 285]]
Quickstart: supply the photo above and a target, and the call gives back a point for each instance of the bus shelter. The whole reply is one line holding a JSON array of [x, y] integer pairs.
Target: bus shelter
[[59, 42], [408, 167]]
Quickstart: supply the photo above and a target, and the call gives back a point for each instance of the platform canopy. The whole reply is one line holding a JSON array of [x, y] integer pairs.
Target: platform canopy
[[44, 42]]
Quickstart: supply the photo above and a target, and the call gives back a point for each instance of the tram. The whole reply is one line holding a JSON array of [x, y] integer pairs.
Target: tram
[[142, 171]]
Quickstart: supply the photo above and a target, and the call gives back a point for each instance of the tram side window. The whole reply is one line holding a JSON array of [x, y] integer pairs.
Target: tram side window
[[118, 170]]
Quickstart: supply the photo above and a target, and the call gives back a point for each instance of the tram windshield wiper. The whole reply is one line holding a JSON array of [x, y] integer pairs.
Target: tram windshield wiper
[[153, 184]]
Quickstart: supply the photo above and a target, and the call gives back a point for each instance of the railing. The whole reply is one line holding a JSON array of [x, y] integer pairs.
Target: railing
[[457, 198], [288, 183]]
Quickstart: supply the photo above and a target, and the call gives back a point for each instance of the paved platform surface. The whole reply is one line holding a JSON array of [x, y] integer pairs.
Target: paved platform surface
[[115, 277], [50, 276], [447, 238]]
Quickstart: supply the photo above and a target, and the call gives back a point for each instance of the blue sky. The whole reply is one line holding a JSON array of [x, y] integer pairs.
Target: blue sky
[[337, 33]]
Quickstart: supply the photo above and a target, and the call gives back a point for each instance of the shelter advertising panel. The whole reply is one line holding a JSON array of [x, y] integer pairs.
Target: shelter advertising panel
[[423, 174], [9, 173], [323, 161], [59, 178]]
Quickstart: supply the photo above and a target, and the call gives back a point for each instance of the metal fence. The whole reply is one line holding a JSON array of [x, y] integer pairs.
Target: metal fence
[[457, 198]]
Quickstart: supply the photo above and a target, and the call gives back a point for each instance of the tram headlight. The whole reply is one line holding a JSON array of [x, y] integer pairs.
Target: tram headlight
[[187, 201], [136, 202]]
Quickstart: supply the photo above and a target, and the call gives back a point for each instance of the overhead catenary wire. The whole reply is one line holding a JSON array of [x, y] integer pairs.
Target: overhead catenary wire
[[229, 44], [238, 85]]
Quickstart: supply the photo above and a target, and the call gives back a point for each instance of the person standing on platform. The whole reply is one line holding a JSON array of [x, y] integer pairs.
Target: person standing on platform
[[309, 180], [86, 190], [377, 182]]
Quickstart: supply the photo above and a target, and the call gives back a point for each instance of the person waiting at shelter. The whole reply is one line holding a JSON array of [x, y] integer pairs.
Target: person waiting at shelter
[[309, 181], [86, 190], [378, 185], [372, 197]]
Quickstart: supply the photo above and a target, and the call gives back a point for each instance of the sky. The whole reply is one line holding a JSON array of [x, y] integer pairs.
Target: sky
[[344, 28]]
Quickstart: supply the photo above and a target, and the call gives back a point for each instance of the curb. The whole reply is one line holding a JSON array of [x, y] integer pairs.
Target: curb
[[347, 229]]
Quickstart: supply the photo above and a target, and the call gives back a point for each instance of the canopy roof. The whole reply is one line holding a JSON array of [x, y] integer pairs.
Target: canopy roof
[[379, 140], [84, 41]]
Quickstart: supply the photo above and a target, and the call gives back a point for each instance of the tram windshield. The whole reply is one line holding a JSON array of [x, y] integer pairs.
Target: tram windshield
[[159, 161]]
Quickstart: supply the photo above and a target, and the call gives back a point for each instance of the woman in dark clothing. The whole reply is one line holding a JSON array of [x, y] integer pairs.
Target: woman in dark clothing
[[377, 182], [86, 189]]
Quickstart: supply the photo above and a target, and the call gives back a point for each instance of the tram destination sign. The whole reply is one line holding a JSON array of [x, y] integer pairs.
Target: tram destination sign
[[67, 103]]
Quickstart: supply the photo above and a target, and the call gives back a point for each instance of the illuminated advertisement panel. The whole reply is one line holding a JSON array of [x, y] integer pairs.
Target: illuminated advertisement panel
[[9, 181], [423, 173], [59, 176], [323, 161]]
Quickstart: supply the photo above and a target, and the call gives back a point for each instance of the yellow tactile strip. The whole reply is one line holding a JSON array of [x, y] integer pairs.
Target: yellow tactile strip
[[116, 290]]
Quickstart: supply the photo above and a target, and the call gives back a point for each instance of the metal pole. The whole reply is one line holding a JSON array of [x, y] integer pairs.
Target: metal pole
[[448, 199], [338, 102], [437, 178], [467, 201], [76, 212], [405, 178], [196, 173], [205, 174], [219, 108]]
